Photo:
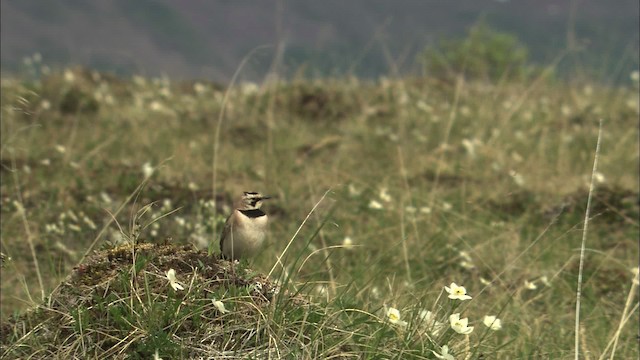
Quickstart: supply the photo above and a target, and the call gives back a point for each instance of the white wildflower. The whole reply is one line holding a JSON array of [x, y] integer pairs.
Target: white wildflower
[[530, 285], [425, 210], [156, 106], [470, 145], [321, 289], [465, 255], [375, 292], [220, 306], [373, 204], [467, 264], [516, 157], [424, 107], [384, 195], [393, 316], [460, 325], [166, 204], [444, 353], [165, 92], [518, 179], [69, 76], [354, 191], [139, 80], [457, 292], [147, 169], [249, 88], [71, 215], [105, 198], [545, 281], [171, 275], [347, 243], [199, 88], [492, 322], [156, 356], [89, 222]]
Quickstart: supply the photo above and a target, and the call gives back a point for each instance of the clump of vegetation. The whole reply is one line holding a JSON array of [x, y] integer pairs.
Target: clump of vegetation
[[485, 54], [122, 301]]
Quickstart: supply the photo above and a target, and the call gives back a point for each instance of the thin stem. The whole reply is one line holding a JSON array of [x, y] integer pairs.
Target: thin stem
[[584, 241]]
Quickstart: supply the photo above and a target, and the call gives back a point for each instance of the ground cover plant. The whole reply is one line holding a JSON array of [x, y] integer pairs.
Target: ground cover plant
[[421, 218]]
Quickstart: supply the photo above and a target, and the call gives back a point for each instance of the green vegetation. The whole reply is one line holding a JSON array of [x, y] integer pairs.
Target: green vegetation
[[484, 54], [427, 183]]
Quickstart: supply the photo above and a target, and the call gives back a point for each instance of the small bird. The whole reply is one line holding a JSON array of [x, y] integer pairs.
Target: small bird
[[245, 229]]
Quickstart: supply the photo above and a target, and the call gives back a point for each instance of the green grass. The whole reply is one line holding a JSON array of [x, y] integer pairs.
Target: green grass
[[434, 182]]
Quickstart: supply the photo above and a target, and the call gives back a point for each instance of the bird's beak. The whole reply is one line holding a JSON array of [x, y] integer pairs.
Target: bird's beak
[[265, 197]]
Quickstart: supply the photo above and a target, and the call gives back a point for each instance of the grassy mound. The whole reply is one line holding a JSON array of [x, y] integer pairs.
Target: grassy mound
[[119, 302]]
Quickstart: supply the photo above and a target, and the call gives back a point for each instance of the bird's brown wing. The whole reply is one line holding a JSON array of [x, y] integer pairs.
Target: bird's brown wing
[[225, 232]]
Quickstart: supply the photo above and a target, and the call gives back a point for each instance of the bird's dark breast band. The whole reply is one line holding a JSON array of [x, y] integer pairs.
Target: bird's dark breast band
[[255, 213]]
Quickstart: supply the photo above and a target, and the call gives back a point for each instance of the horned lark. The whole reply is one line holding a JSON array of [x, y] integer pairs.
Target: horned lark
[[245, 229]]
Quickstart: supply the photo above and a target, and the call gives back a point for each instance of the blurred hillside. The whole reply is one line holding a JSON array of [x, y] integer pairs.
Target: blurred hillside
[[207, 39]]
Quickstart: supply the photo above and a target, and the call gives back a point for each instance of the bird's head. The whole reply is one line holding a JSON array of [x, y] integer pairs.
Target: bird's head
[[252, 200]]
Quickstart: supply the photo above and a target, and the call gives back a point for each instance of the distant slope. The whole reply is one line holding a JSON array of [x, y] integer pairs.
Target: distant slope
[[365, 37]]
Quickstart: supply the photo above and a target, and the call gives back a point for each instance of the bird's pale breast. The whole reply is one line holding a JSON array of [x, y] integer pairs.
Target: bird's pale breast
[[248, 235]]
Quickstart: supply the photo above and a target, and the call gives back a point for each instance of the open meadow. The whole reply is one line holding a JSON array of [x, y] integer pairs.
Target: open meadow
[[384, 193]]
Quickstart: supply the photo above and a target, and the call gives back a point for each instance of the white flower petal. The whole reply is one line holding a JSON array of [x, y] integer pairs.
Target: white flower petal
[[373, 204], [393, 315], [457, 292], [492, 322], [347, 243], [220, 306], [156, 356], [530, 285], [176, 286], [444, 353], [171, 275], [173, 281], [460, 325]]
